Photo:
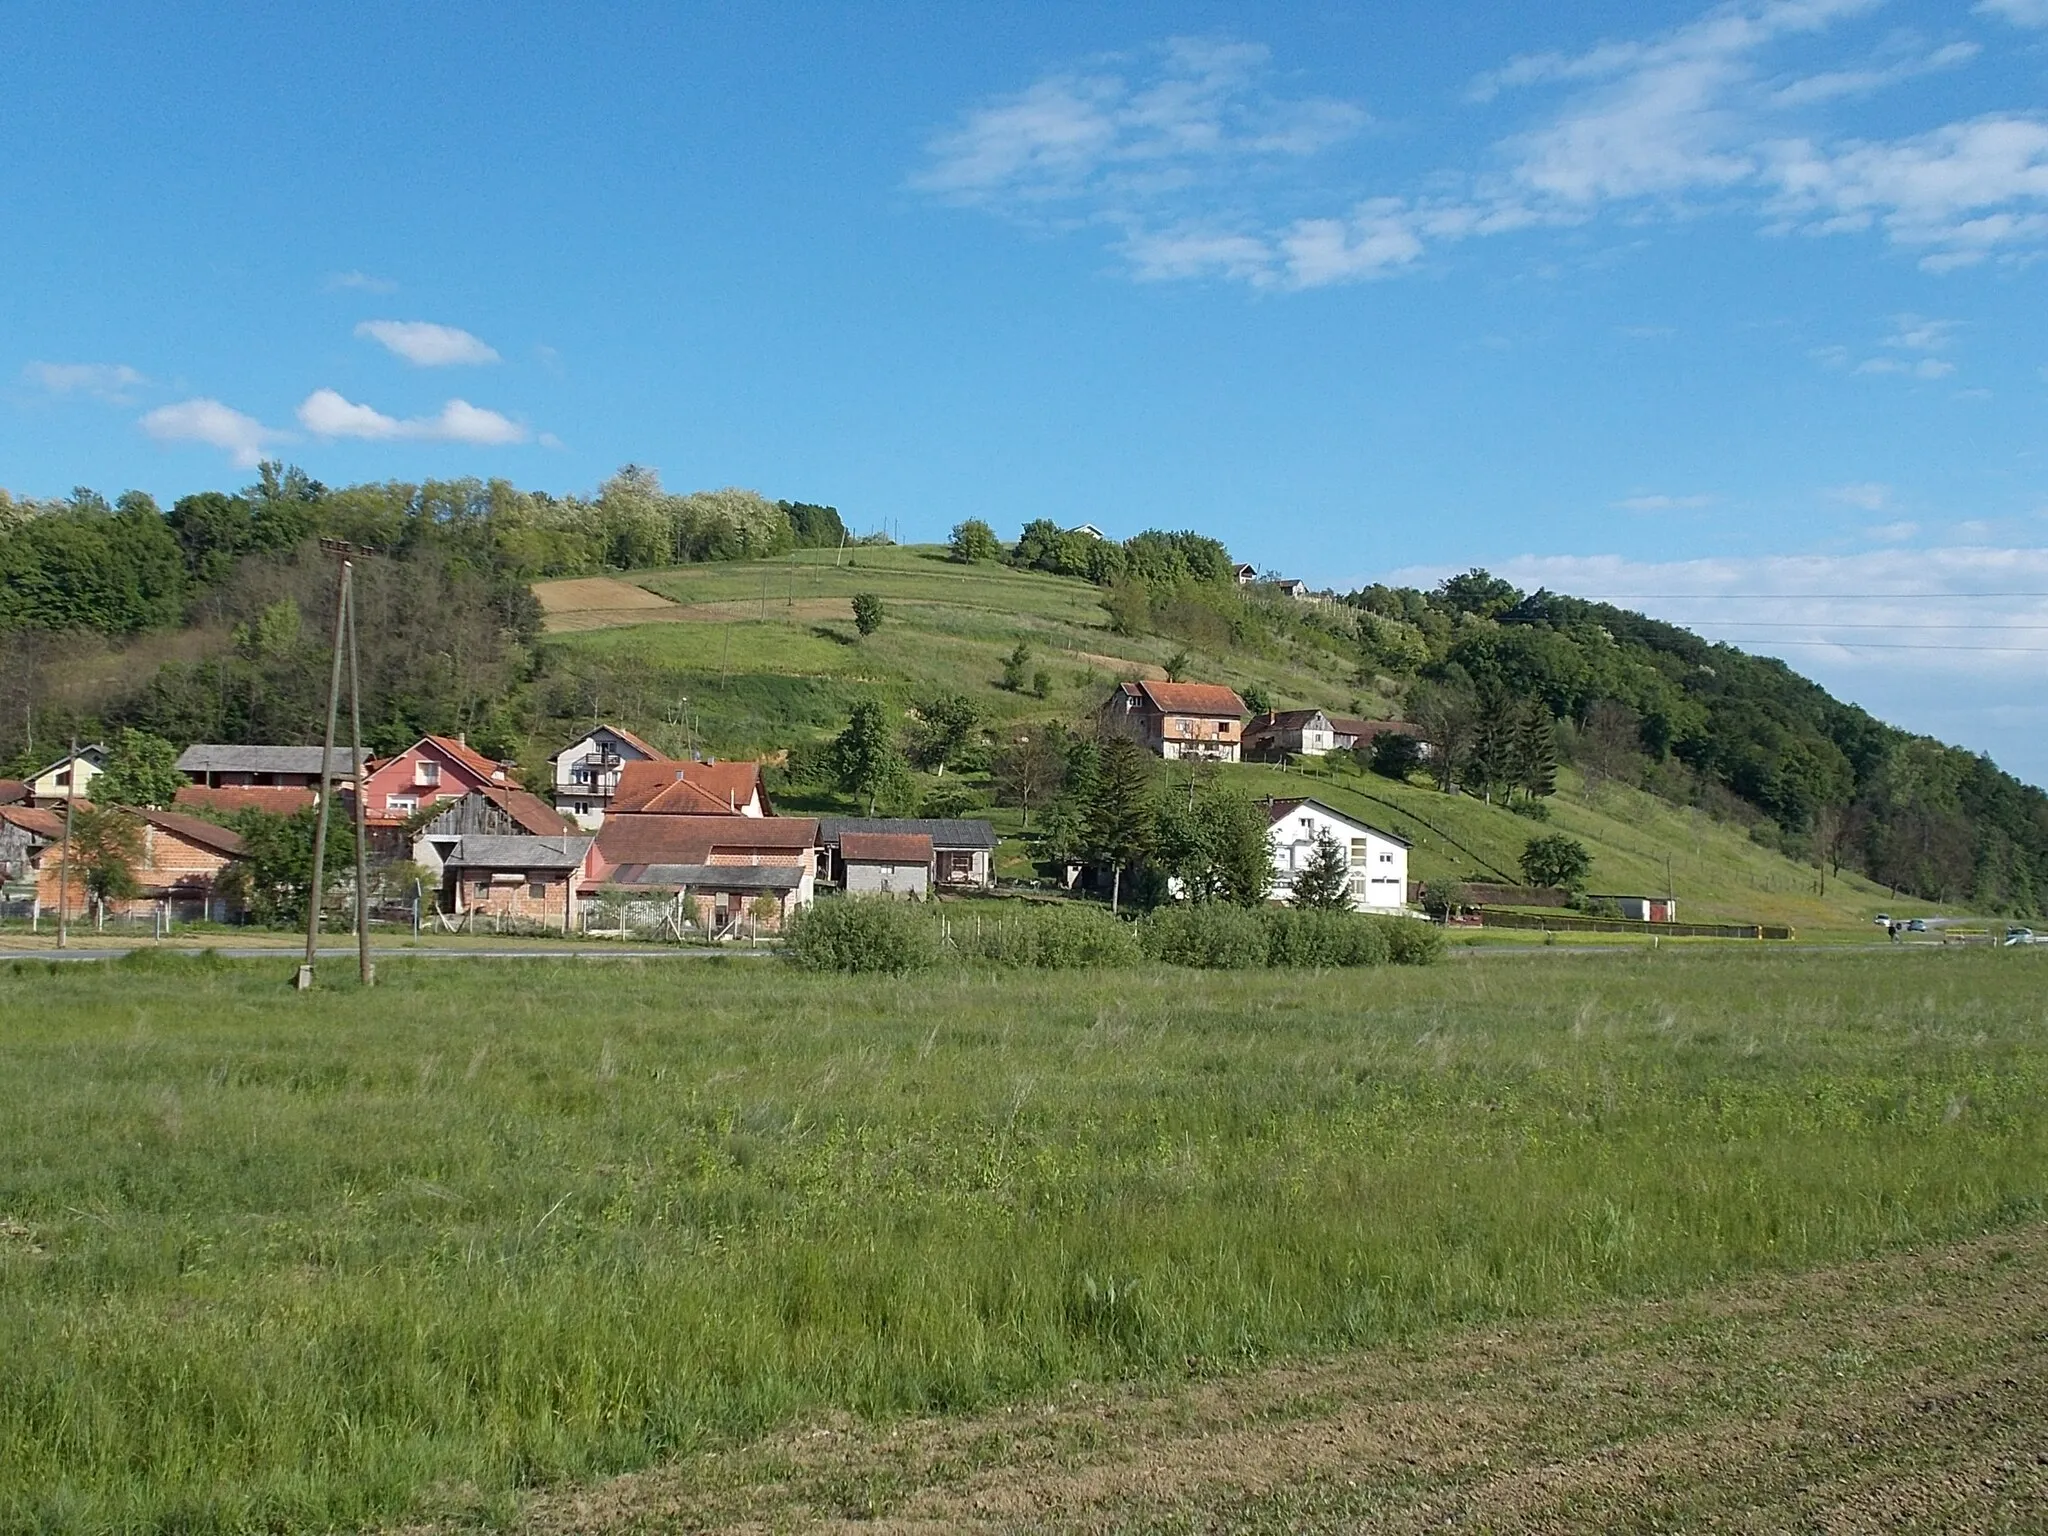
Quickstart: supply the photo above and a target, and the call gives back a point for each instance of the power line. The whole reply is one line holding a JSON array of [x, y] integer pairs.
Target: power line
[[1828, 624], [1887, 645], [1781, 597]]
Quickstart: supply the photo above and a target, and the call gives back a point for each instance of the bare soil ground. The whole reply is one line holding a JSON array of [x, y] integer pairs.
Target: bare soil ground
[[598, 602], [1907, 1393]]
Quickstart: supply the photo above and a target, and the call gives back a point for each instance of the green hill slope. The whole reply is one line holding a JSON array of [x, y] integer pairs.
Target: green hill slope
[[761, 655]]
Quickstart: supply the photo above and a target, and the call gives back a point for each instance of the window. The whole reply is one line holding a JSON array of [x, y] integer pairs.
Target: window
[[537, 891], [579, 775], [1386, 858], [427, 773], [582, 807], [483, 890], [405, 803], [1357, 887], [1358, 850]]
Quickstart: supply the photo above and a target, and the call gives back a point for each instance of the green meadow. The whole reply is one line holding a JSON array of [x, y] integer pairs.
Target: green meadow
[[294, 1263]]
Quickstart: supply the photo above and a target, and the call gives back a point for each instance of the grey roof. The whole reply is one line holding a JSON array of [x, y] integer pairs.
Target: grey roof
[[217, 757], [484, 851], [944, 834], [715, 877]]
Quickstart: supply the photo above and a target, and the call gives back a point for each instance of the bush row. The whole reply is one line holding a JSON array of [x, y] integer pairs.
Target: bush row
[[860, 934]]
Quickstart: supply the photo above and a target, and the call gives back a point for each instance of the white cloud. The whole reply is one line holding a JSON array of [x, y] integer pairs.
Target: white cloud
[[426, 345], [208, 421], [1661, 503], [1925, 368], [1865, 495], [1893, 533], [115, 383], [2021, 13], [1187, 154], [358, 282], [1917, 333], [326, 413]]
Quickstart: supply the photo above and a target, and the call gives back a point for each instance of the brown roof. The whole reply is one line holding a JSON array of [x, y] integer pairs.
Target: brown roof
[[631, 740], [193, 830], [31, 819], [279, 799], [1284, 719], [531, 812], [1352, 725], [885, 848], [484, 767], [13, 791], [1193, 699], [674, 788], [642, 838]]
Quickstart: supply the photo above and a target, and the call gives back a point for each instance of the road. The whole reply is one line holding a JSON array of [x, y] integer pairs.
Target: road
[[292, 956]]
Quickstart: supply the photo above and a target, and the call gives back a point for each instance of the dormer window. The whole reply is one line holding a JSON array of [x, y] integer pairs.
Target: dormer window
[[427, 773]]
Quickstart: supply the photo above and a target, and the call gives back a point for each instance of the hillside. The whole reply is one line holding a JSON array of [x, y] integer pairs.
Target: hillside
[[746, 656]]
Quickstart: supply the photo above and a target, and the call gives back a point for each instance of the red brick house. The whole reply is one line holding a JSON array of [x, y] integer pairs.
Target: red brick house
[[182, 860], [519, 878], [713, 869]]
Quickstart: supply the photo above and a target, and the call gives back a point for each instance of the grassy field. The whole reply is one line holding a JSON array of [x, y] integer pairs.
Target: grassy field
[[763, 654], [303, 1262]]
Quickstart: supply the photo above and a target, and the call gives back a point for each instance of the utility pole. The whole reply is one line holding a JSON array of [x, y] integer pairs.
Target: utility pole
[[344, 630], [64, 858]]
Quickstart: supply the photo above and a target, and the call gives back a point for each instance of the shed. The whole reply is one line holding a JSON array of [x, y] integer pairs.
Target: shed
[[886, 863]]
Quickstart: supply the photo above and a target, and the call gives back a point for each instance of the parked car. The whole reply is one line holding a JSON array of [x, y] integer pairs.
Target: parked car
[[2020, 936], [1918, 925]]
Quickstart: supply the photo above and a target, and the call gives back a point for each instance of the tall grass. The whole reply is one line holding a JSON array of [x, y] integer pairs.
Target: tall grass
[[296, 1262]]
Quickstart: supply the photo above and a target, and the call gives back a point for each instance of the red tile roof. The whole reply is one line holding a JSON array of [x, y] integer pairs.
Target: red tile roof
[[13, 791], [641, 838], [279, 799], [485, 768], [675, 788], [41, 823], [531, 812], [885, 848], [1193, 699]]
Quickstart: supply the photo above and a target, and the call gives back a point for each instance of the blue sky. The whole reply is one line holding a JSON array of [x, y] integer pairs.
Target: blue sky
[[1736, 313]]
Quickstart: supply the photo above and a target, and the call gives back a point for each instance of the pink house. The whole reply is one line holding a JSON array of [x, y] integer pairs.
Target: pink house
[[431, 770]]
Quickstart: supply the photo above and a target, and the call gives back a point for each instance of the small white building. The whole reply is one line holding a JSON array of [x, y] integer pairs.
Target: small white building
[[1379, 860], [587, 772], [886, 863]]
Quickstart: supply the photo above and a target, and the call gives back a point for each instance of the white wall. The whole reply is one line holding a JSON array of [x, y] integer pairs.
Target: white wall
[[1379, 865]]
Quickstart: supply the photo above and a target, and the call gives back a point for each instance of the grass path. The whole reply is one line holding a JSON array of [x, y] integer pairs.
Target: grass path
[[1903, 1393]]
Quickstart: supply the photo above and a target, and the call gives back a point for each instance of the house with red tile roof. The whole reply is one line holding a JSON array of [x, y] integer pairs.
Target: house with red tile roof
[[713, 870], [432, 770], [179, 871], [1180, 720], [667, 787], [586, 772]]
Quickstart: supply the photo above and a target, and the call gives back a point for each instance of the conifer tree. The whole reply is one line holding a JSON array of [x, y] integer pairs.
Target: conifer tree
[[1324, 885]]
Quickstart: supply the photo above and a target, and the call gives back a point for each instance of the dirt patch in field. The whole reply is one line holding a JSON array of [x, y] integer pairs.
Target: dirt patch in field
[[1905, 1393], [587, 593]]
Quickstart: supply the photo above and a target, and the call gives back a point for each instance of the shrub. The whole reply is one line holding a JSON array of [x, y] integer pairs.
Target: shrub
[[1213, 937], [1051, 938], [862, 934], [1412, 943], [1307, 938]]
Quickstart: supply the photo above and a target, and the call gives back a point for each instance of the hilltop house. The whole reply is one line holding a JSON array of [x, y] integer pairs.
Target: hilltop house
[[667, 787], [1179, 720], [958, 854], [587, 771], [1245, 574], [1283, 733], [711, 870], [1379, 860], [53, 785], [432, 769], [1294, 587]]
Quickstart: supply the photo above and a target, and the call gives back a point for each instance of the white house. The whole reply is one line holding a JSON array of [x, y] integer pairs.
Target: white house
[[1379, 860], [587, 772], [1282, 733], [52, 786]]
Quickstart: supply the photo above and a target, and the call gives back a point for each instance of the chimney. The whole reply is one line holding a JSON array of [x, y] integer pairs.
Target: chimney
[[462, 738]]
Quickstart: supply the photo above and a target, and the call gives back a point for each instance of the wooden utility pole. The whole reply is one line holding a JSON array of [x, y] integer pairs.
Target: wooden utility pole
[[64, 858], [344, 633]]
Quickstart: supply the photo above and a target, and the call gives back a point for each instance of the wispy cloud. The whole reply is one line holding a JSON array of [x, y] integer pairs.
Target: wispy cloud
[[358, 282], [1865, 495], [427, 345], [326, 413], [1199, 168], [114, 383], [1662, 503], [243, 438], [2021, 13]]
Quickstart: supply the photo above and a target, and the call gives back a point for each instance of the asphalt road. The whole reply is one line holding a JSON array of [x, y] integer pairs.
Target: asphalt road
[[292, 956]]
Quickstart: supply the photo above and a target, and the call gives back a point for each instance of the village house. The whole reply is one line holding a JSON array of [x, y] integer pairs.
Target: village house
[[227, 778], [668, 787], [518, 877], [497, 811], [53, 785], [960, 852], [725, 874], [1294, 587], [1350, 733], [586, 772], [1245, 574], [178, 873], [1379, 860], [431, 770], [1179, 720], [1283, 733]]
